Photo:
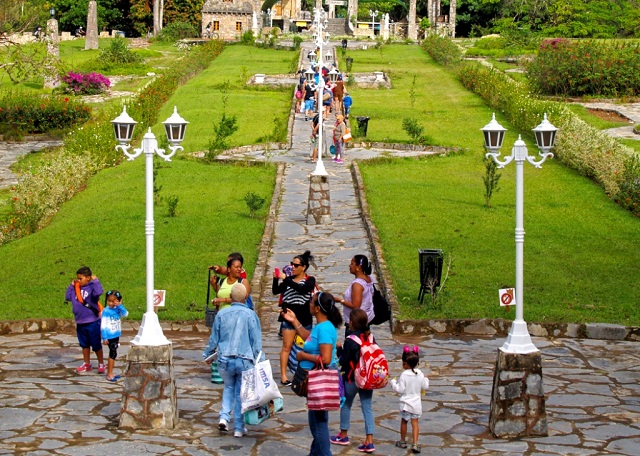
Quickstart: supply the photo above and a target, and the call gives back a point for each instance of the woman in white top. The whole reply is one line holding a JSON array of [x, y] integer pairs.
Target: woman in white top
[[359, 295]]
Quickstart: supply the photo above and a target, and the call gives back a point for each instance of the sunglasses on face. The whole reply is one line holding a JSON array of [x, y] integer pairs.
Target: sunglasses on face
[[295, 265]]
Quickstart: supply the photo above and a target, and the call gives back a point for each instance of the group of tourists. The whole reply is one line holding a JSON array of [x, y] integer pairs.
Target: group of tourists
[[235, 344], [333, 99], [314, 317]]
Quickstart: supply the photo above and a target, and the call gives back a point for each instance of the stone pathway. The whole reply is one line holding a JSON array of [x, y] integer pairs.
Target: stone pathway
[[592, 386], [631, 111], [10, 152]]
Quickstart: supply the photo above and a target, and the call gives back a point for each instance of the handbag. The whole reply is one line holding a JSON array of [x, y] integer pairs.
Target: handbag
[[264, 412], [297, 345], [323, 390], [258, 386], [347, 136], [381, 308], [299, 383]]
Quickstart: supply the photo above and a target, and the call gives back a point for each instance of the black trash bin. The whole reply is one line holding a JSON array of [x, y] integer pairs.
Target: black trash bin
[[363, 124], [344, 44], [431, 261]]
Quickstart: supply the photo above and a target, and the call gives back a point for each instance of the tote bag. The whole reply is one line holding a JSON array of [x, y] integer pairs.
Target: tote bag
[[258, 386], [323, 390]]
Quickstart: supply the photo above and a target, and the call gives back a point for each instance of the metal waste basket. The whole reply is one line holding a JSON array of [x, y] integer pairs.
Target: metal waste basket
[[344, 44], [363, 124], [431, 261]]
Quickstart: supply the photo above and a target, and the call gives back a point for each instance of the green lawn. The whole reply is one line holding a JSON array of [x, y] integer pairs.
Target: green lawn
[[103, 227], [581, 250]]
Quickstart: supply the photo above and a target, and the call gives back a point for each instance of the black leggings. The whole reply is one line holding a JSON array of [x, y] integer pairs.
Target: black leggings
[[113, 347]]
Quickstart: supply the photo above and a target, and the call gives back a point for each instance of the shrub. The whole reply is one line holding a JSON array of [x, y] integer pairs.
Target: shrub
[[586, 67], [297, 41], [629, 195], [442, 50], [27, 113], [413, 128], [254, 203], [85, 84], [177, 31], [248, 38], [118, 53], [491, 180]]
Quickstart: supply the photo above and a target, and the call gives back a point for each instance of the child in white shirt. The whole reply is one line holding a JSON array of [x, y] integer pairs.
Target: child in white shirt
[[410, 386]]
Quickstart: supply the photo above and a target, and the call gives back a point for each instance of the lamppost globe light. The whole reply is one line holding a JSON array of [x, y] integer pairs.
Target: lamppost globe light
[[333, 75], [545, 135], [175, 127], [52, 12], [493, 135], [123, 126], [309, 74]]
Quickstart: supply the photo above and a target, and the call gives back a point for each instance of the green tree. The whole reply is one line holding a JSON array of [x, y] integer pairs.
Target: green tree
[[189, 11], [72, 14]]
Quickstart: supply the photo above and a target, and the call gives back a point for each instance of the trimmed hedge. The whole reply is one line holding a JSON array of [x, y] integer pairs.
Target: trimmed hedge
[[591, 152]]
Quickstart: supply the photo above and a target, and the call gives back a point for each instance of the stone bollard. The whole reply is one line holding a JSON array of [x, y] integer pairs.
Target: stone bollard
[[517, 399], [149, 399], [319, 203]]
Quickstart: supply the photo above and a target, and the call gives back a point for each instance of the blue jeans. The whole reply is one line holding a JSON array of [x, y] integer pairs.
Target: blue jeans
[[231, 373], [366, 400], [319, 426]]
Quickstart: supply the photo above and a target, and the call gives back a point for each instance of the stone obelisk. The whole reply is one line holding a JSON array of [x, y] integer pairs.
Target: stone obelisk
[[92, 26]]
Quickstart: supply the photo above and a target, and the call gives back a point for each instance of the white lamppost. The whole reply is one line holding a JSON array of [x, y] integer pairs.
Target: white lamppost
[[320, 36], [373, 15], [150, 332], [519, 340], [333, 75]]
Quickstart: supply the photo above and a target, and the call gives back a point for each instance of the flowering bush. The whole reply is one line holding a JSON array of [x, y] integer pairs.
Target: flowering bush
[[85, 84], [41, 114], [629, 195], [585, 67], [442, 50]]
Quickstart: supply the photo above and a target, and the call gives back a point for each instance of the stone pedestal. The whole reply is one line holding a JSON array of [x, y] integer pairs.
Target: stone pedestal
[[91, 37], [319, 202], [517, 399], [149, 399]]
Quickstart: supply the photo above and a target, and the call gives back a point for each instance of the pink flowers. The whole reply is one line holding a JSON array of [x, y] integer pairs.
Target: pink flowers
[[85, 84]]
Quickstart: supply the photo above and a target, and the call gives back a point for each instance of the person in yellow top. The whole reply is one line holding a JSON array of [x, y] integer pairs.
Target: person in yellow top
[[223, 287]]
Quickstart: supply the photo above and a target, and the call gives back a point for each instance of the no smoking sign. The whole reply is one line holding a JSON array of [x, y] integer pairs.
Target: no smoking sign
[[507, 297]]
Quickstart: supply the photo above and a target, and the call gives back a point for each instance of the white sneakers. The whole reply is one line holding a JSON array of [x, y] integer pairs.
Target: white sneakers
[[237, 434], [223, 425]]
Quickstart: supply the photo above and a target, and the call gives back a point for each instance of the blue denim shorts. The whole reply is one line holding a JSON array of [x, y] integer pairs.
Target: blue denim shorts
[[408, 416], [287, 325]]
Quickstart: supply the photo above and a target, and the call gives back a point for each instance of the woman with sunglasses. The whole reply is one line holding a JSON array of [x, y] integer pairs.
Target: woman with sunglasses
[[321, 343], [297, 290]]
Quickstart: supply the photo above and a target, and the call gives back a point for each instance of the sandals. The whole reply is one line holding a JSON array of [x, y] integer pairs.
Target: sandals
[[286, 382], [415, 448], [113, 379], [401, 444]]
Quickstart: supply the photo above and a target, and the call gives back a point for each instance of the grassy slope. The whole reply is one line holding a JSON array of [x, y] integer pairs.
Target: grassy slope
[[581, 250]]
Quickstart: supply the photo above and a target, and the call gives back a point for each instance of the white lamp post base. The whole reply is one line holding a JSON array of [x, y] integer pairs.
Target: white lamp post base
[[519, 340], [150, 332]]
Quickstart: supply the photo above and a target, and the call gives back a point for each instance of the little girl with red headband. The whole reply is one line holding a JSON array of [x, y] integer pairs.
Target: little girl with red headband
[[410, 386]]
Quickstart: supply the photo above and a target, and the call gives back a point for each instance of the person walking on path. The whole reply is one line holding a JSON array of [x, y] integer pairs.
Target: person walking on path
[[339, 130], [111, 328], [297, 291], [359, 294], [84, 294], [237, 335], [349, 359], [321, 343], [410, 386]]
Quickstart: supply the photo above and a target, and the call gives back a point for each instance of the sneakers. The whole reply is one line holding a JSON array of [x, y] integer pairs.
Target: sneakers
[[84, 368], [223, 425], [237, 434], [339, 160], [366, 448], [415, 448], [337, 440], [102, 368]]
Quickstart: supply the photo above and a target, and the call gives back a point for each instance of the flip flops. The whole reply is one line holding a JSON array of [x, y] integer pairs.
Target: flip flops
[[113, 379]]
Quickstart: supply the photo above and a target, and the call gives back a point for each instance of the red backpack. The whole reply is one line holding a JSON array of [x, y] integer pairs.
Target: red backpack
[[372, 371]]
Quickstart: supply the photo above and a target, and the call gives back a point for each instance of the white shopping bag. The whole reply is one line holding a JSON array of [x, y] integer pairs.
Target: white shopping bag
[[258, 386]]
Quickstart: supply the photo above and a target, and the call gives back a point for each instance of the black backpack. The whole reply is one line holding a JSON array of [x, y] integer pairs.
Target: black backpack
[[381, 308]]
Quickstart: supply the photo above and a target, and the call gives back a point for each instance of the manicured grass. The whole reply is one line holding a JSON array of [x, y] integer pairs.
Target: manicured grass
[[255, 107], [581, 250], [103, 227]]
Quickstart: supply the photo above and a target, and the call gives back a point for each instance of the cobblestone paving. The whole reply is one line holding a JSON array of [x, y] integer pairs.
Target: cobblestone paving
[[592, 386]]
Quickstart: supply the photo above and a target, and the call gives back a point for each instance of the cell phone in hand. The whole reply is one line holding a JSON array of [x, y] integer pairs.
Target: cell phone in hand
[[276, 272]]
